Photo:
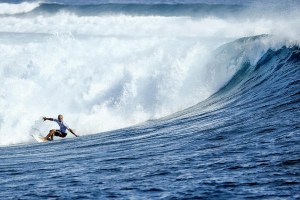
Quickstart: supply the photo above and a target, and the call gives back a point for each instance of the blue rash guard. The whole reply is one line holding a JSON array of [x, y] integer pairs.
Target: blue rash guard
[[62, 126]]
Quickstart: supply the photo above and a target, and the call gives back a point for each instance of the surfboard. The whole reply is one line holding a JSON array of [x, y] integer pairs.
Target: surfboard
[[39, 138]]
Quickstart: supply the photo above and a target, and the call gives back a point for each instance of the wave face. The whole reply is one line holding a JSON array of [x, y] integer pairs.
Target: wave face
[[187, 103]]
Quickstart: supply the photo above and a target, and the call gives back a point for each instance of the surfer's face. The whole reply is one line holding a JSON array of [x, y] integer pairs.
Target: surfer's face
[[60, 118]]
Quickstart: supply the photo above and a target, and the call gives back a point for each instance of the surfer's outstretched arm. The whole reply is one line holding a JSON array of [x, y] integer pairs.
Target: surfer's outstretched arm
[[72, 132], [46, 118]]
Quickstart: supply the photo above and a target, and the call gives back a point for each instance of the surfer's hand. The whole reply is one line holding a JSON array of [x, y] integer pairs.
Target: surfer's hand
[[44, 118]]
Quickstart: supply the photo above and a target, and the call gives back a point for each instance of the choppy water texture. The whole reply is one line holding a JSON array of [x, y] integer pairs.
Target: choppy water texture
[[241, 142]]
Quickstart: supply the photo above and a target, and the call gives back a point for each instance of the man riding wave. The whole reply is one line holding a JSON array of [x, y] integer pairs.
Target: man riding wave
[[62, 128]]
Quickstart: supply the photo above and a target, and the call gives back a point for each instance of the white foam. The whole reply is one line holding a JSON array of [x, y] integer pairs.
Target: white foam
[[24, 7]]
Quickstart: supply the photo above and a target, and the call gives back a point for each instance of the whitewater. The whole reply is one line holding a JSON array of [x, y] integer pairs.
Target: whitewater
[[171, 99]]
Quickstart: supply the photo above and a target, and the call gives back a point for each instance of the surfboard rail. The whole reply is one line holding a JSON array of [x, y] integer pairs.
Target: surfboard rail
[[40, 138]]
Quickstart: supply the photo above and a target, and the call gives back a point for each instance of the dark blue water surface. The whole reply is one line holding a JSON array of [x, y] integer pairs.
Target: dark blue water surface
[[243, 142]]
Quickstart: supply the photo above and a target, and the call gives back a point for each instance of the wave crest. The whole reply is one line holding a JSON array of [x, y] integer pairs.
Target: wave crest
[[10, 9]]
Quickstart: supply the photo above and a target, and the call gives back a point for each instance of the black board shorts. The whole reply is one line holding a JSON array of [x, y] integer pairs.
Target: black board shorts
[[60, 134]]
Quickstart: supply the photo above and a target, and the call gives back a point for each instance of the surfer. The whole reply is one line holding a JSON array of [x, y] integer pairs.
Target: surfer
[[62, 131]]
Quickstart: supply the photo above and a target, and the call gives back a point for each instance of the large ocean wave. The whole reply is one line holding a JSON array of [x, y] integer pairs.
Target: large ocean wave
[[112, 71]]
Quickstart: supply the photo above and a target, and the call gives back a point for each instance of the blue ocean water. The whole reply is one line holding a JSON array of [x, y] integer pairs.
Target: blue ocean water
[[241, 141]]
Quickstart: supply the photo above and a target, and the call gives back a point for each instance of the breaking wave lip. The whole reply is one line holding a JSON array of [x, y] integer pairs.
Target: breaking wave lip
[[24, 7], [253, 59]]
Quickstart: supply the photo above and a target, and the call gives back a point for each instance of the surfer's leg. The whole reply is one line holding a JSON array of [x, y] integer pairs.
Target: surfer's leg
[[51, 133]]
